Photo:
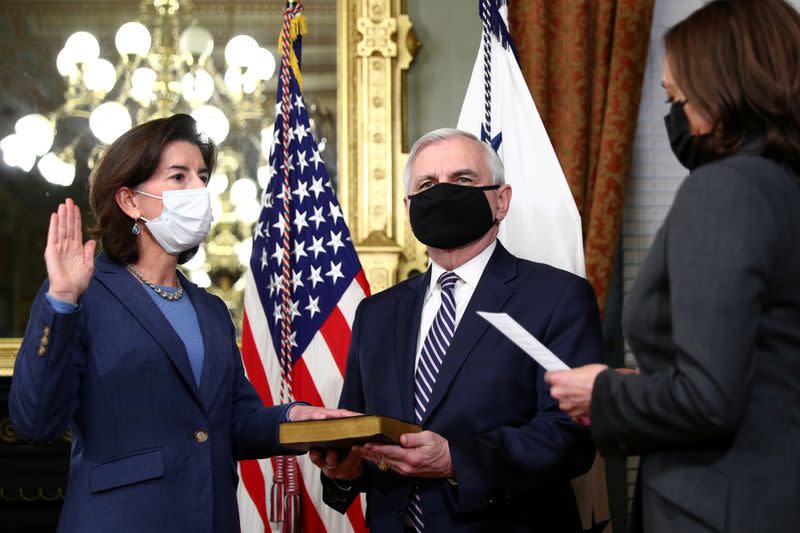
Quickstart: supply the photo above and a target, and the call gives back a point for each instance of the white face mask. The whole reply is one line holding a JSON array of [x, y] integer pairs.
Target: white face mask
[[185, 220]]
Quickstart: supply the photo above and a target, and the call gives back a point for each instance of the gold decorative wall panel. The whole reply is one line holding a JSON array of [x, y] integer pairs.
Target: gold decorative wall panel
[[381, 49]]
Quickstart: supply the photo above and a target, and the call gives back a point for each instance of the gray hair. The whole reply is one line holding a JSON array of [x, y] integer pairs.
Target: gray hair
[[493, 161]]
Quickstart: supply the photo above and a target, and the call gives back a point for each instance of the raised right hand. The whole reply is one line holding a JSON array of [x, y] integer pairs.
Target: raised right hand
[[70, 262]]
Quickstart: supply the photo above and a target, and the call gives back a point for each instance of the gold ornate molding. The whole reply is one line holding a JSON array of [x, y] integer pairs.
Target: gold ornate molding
[[8, 353], [37, 495], [376, 46]]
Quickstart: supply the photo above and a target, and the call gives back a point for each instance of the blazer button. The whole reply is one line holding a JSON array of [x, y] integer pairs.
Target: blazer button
[[44, 340], [46, 330], [201, 435], [42, 351]]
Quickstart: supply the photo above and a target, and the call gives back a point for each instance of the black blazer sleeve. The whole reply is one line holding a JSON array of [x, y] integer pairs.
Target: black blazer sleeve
[[719, 248]]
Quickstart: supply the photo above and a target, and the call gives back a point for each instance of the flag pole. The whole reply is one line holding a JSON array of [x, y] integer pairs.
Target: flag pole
[[284, 496], [486, 36]]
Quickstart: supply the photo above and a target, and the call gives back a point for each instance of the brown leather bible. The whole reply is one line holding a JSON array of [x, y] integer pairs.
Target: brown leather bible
[[344, 432]]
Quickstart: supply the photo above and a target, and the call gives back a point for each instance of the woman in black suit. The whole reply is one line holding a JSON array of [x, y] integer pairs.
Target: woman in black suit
[[714, 315]]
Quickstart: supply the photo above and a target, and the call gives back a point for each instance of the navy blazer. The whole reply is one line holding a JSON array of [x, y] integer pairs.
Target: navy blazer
[[150, 451], [514, 452]]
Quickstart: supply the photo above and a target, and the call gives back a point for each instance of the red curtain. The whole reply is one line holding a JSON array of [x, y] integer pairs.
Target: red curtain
[[584, 61]]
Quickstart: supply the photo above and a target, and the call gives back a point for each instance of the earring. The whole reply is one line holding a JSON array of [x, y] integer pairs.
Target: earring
[[136, 230]]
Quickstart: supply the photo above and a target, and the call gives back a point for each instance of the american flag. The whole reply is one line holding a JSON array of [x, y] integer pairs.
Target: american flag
[[304, 283]]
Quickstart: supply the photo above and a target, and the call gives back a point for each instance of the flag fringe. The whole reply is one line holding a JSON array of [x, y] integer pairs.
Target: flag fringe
[[298, 26], [291, 508], [276, 499]]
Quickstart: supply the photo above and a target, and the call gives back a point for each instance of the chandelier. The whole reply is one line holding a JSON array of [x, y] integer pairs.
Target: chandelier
[[160, 72], [165, 65]]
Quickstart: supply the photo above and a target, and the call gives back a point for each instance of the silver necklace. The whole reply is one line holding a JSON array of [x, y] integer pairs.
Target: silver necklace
[[171, 296]]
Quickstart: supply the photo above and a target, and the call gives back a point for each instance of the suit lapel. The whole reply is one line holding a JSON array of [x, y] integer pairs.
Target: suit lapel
[[131, 295], [490, 295], [407, 331], [212, 374]]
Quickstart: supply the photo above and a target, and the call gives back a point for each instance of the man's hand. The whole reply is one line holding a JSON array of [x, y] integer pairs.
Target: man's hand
[[348, 467], [424, 454], [336, 464]]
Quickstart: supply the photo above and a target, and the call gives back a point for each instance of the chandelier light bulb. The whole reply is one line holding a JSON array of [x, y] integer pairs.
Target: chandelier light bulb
[[200, 278], [203, 85], [100, 75], [142, 82], [82, 47], [249, 82], [17, 153], [233, 80], [262, 64], [56, 171], [216, 209], [197, 41], [240, 50], [244, 249], [212, 122], [65, 64], [266, 139], [196, 262], [248, 212], [198, 86], [244, 191], [108, 121], [37, 132], [133, 38], [187, 87], [218, 183]]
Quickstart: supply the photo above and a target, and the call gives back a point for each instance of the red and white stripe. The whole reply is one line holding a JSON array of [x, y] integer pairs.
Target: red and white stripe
[[317, 378]]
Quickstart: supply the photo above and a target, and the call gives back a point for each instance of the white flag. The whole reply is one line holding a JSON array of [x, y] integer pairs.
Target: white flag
[[543, 223]]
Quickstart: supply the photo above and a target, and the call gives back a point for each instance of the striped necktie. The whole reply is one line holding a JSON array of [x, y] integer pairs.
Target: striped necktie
[[431, 357]]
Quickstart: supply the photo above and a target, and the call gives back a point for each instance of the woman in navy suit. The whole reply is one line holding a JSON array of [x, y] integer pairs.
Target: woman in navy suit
[[139, 363]]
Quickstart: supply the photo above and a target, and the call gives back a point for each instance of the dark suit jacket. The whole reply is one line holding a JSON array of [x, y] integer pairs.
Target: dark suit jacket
[[714, 322], [513, 451], [117, 374]]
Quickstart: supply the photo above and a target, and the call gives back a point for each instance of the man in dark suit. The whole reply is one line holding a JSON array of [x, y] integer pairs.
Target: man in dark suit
[[496, 453]]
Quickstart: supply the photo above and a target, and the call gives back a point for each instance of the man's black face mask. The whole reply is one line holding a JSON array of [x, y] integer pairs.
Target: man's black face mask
[[447, 216]]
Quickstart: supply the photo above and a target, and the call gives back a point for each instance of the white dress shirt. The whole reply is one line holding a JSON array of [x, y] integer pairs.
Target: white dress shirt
[[469, 275]]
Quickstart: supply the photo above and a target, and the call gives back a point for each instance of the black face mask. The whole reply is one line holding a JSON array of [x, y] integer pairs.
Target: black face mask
[[684, 144], [447, 216]]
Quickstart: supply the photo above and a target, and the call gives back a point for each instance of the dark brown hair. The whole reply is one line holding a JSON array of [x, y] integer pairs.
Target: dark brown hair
[[738, 61], [128, 162]]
